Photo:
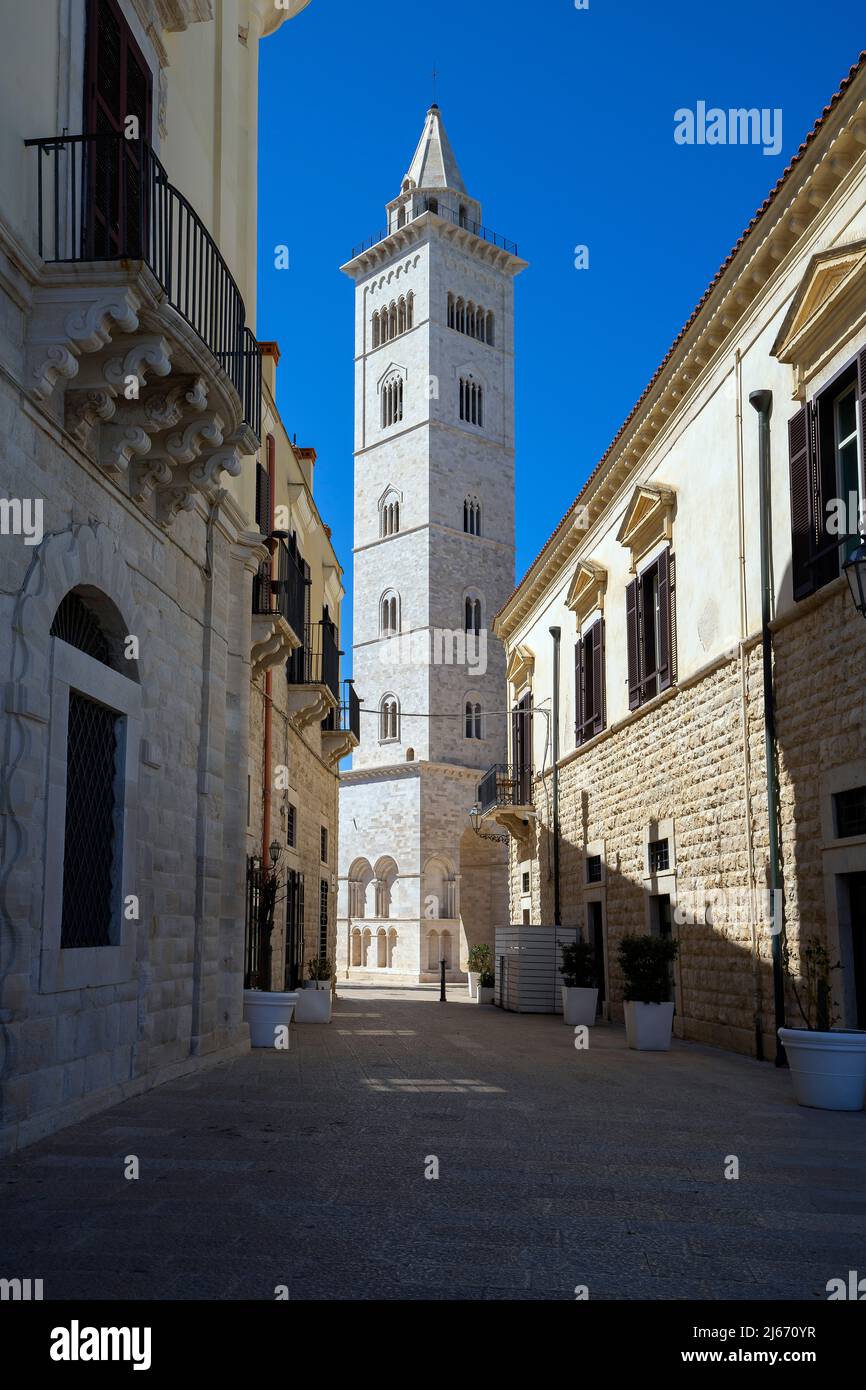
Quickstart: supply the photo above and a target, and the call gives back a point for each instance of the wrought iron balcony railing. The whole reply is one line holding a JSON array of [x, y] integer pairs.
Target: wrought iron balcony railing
[[103, 197], [317, 661], [346, 719], [448, 215], [505, 784]]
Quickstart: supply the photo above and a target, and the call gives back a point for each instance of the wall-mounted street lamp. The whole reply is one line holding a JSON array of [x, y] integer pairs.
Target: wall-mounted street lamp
[[855, 572], [274, 852]]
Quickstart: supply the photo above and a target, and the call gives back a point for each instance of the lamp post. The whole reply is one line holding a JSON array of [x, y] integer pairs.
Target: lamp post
[[854, 569]]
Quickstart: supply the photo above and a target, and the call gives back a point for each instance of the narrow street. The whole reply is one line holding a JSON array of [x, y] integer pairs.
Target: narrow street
[[557, 1168]]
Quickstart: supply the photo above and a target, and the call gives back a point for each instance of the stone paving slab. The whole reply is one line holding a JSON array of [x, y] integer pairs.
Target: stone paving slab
[[556, 1168]]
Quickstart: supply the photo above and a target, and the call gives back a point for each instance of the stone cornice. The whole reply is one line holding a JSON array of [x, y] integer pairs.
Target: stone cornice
[[754, 268], [388, 772], [398, 242]]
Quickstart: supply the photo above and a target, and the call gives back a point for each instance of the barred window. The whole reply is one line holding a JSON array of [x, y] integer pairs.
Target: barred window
[[323, 918], [850, 807], [90, 846], [593, 868], [659, 856]]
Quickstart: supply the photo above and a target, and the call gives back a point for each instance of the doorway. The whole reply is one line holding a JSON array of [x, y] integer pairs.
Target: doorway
[[595, 935]]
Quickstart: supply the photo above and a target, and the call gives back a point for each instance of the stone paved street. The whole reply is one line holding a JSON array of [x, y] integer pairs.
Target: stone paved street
[[557, 1168]]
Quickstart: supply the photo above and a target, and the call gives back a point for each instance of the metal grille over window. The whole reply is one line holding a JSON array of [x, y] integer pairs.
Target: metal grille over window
[[659, 856], [323, 919], [76, 624], [90, 842], [593, 866], [850, 813]]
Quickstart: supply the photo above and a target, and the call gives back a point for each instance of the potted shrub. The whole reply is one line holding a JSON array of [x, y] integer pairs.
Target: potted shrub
[[579, 988], [646, 962], [314, 1002], [828, 1064], [267, 1012], [480, 960], [486, 984]]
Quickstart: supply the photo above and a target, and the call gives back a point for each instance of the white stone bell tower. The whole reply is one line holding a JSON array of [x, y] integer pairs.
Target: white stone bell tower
[[434, 561]]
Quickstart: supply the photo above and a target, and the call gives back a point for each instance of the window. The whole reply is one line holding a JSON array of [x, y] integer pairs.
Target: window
[[389, 614], [472, 516], [471, 319], [389, 516], [90, 850], [525, 883], [323, 918], [472, 714], [324, 844], [658, 855], [471, 401], [589, 682], [593, 868], [650, 626], [826, 452], [263, 500], [392, 402], [521, 750], [472, 614], [850, 812], [294, 960], [291, 826], [389, 719]]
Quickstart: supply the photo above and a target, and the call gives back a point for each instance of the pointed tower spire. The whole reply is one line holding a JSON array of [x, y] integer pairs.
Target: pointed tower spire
[[434, 165]]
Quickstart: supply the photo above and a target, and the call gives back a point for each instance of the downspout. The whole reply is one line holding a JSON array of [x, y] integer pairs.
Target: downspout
[[556, 634], [268, 712], [762, 402]]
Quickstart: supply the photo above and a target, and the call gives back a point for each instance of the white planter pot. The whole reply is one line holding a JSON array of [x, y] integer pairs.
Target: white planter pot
[[266, 1014], [579, 1006], [828, 1069], [648, 1026], [485, 995], [473, 983], [314, 1005]]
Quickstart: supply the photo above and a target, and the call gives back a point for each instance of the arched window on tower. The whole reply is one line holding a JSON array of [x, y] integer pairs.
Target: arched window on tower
[[451, 318], [472, 516], [471, 401], [389, 719], [392, 401], [410, 310], [490, 327], [472, 613], [472, 719], [375, 330], [392, 321], [389, 614], [389, 516], [401, 315], [464, 218]]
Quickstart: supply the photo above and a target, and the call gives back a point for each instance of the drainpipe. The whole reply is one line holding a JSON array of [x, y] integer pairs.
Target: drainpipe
[[762, 402], [556, 634], [268, 730]]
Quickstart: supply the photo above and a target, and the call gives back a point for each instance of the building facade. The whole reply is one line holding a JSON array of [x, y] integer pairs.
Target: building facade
[[671, 738], [434, 559], [130, 419], [304, 719]]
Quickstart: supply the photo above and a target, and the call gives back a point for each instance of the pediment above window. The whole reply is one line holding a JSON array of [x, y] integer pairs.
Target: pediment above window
[[521, 665], [587, 589], [827, 310], [648, 520], [393, 369]]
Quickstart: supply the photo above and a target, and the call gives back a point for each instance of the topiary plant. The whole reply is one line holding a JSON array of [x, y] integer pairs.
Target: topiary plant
[[480, 959], [645, 962]]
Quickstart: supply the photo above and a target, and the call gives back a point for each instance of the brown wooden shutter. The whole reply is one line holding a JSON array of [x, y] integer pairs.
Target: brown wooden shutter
[[801, 469], [598, 676], [263, 500], [579, 715], [665, 671], [826, 551], [861, 393], [632, 622]]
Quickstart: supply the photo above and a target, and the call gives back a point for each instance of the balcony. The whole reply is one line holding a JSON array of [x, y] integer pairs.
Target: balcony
[[448, 215], [341, 728], [137, 340], [505, 796], [313, 675]]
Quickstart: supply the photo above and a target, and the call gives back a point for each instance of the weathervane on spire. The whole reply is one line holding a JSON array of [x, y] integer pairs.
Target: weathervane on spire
[[435, 75]]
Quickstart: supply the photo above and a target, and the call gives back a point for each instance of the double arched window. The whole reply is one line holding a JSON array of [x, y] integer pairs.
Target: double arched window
[[393, 319], [389, 516], [472, 516], [389, 719], [464, 316], [471, 401], [473, 719], [472, 613], [389, 614], [392, 401]]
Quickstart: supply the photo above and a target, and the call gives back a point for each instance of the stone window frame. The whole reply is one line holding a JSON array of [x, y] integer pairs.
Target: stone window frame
[[840, 857], [72, 968], [594, 849], [660, 830]]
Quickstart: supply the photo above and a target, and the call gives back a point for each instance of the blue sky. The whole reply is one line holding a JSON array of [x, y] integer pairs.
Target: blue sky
[[562, 121]]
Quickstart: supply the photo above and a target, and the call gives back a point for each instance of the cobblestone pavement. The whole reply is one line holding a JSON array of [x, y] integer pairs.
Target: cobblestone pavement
[[557, 1168]]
